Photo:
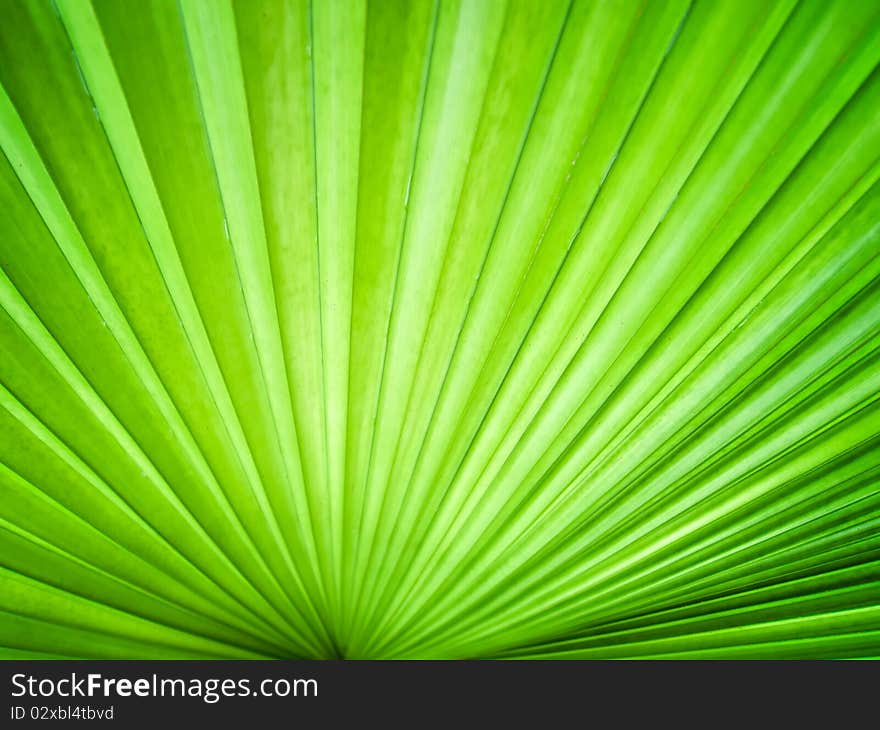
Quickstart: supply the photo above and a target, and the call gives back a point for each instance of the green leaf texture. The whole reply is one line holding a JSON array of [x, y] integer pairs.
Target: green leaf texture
[[440, 329]]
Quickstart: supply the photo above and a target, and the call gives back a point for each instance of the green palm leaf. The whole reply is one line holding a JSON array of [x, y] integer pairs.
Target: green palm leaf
[[473, 328]]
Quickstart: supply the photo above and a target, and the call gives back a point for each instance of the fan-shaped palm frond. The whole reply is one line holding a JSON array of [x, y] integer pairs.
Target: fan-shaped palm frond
[[454, 328]]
